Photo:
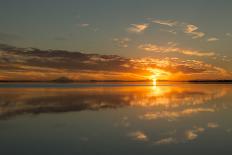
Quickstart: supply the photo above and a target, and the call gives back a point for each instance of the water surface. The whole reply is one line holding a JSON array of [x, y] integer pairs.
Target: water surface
[[123, 119]]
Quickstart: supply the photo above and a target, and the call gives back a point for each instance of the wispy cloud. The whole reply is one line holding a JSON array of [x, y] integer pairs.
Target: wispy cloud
[[87, 26], [139, 136], [169, 31], [174, 115], [172, 47], [229, 34], [169, 140], [212, 125], [192, 30], [170, 23], [138, 28], [181, 137], [122, 42], [83, 25], [212, 39], [186, 28], [193, 133]]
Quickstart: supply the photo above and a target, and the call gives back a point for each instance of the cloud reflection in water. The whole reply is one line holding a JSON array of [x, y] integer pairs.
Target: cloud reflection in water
[[176, 101]]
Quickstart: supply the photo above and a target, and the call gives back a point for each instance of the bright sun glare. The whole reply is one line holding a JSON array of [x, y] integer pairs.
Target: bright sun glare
[[154, 81]]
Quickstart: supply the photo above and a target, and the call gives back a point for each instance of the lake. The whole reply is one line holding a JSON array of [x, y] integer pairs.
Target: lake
[[115, 119]]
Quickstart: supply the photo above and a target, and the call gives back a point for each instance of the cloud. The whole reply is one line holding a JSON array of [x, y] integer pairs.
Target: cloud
[[139, 136], [138, 28], [212, 39], [124, 122], [88, 26], [212, 125], [229, 34], [192, 30], [190, 135], [51, 64], [84, 25], [186, 28], [193, 133], [177, 67], [173, 48], [181, 137], [170, 23], [174, 115], [169, 31], [169, 140], [79, 99], [122, 42]]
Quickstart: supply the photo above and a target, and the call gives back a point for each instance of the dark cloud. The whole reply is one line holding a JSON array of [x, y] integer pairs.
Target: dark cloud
[[59, 59], [9, 48]]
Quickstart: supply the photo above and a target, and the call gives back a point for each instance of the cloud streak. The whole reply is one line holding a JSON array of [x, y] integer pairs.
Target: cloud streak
[[169, 140], [212, 39], [174, 115], [138, 28], [83, 25], [193, 31], [138, 136], [189, 29], [173, 48], [169, 23], [193, 133], [212, 125], [122, 42]]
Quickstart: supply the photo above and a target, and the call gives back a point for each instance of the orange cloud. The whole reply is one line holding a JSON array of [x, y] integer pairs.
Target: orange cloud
[[139, 136], [193, 133], [192, 30], [173, 48], [138, 28], [51, 64]]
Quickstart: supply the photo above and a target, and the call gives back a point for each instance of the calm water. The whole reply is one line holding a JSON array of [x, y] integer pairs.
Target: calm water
[[90, 119]]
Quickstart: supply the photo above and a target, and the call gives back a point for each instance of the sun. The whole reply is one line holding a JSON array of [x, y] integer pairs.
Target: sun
[[154, 81]]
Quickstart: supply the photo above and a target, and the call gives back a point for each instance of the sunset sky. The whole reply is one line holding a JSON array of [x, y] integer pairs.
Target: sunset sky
[[115, 39]]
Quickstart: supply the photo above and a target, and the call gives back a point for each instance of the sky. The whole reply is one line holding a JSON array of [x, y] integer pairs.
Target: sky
[[176, 36]]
